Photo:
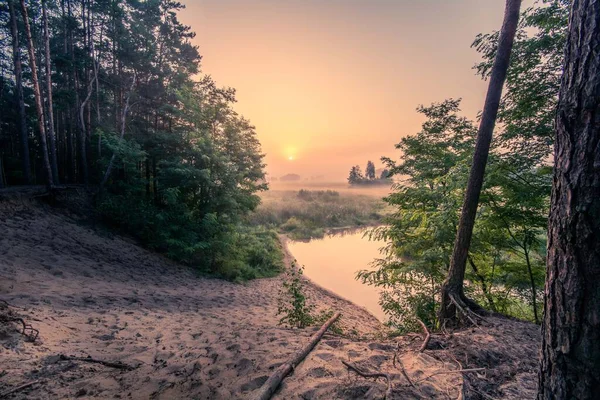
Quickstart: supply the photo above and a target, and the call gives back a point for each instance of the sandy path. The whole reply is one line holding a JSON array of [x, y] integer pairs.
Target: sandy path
[[95, 294]]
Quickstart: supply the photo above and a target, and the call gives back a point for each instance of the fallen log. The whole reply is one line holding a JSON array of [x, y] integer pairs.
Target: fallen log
[[270, 386]]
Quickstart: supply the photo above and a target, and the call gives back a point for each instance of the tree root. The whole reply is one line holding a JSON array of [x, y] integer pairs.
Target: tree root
[[117, 365], [464, 309], [427, 336], [29, 332], [455, 371], [388, 392]]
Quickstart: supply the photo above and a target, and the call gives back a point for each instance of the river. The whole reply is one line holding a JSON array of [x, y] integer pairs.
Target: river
[[332, 262]]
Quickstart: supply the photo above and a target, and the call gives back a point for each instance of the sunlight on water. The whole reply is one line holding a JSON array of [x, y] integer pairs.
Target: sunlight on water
[[332, 262]]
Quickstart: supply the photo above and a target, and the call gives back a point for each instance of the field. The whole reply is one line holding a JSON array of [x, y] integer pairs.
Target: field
[[312, 211]]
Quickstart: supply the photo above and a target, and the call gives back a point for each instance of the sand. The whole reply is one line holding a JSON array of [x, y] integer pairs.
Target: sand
[[91, 293]]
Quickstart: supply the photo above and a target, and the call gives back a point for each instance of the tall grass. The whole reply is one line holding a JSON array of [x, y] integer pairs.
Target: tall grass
[[307, 214]]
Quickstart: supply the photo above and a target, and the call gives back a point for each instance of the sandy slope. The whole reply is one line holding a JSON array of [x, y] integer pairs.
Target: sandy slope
[[94, 294]]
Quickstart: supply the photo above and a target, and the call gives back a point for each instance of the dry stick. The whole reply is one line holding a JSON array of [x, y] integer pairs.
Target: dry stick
[[16, 389], [427, 336], [451, 372], [388, 392], [397, 357], [118, 365], [268, 388], [403, 371]]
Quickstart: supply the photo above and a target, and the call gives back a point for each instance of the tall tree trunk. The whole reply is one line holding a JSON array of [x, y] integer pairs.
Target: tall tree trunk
[[570, 363], [38, 97], [51, 133], [123, 121], [452, 290], [20, 99]]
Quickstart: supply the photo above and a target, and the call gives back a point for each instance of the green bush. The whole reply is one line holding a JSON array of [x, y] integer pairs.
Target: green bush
[[292, 303]]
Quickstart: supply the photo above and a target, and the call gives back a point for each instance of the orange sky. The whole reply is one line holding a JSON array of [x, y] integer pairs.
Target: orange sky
[[332, 83]]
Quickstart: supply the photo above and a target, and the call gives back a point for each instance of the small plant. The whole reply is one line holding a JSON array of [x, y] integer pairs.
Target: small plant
[[324, 316], [292, 300]]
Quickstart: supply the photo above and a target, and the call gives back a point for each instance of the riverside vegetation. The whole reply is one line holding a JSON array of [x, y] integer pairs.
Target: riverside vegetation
[[308, 214], [507, 255]]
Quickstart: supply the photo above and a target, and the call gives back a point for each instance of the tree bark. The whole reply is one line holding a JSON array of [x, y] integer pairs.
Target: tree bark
[[453, 286], [570, 362], [38, 97], [51, 133], [20, 98]]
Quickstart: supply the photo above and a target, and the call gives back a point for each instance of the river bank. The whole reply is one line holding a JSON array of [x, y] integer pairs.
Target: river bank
[[92, 293]]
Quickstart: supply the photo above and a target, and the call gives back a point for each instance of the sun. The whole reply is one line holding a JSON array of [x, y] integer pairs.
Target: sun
[[291, 158]]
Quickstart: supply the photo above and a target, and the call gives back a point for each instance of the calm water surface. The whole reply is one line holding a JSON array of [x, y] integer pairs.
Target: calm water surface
[[332, 262]]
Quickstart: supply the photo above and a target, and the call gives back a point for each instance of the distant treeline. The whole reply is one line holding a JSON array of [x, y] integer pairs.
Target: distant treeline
[[370, 177]]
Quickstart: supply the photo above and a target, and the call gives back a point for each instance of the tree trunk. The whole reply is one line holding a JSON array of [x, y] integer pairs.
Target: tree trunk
[[123, 121], [38, 97], [452, 290], [532, 283], [20, 99], [483, 284], [51, 133], [570, 363]]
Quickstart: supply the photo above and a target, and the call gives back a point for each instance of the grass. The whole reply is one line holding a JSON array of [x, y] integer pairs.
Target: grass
[[308, 214]]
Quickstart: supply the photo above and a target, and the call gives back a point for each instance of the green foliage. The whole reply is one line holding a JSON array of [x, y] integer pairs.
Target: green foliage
[[308, 214], [507, 253], [506, 256], [187, 169], [292, 303]]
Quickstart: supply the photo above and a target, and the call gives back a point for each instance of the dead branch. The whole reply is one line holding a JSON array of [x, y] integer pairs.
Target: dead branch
[[268, 388], [388, 392], [402, 370], [117, 365], [30, 333], [18, 388], [456, 371], [427, 336]]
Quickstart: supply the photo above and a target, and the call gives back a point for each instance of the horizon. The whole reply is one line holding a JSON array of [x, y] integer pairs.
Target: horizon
[[352, 73]]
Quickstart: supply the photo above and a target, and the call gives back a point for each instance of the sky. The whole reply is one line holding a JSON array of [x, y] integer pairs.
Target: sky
[[334, 83]]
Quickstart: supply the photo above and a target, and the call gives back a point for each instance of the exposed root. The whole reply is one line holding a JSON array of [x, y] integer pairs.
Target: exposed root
[[29, 332], [388, 392], [464, 309], [456, 371], [427, 336]]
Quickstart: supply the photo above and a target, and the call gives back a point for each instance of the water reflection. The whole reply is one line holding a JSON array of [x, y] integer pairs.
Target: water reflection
[[333, 261]]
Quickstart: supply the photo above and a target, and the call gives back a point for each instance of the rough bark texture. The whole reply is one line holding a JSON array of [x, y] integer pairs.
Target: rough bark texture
[[570, 364], [38, 97], [23, 134], [453, 286]]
